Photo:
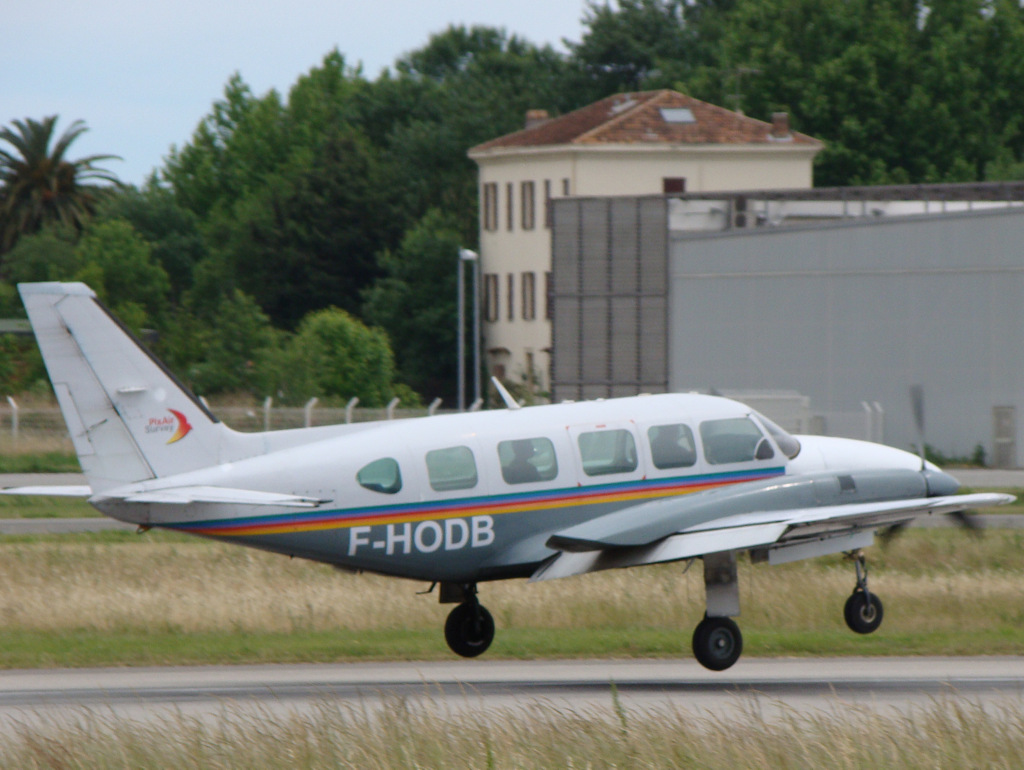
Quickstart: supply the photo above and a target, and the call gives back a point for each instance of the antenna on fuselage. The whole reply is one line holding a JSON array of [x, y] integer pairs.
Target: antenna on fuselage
[[510, 402], [917, 404]]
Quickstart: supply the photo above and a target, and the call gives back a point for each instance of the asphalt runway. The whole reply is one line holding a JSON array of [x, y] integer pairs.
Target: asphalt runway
[[774, 687]]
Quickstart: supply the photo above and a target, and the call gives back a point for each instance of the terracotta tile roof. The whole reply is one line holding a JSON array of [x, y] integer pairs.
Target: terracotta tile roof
[[639, 118]]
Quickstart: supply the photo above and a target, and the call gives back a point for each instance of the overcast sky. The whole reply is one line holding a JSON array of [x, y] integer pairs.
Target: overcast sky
[[143, 73]]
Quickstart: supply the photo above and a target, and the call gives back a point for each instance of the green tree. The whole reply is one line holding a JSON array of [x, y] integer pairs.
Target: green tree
[[172, 231], [334, 354], [40, 184], [118, 265], [637, 44], [48, 255], [235, 352], [415, 304]]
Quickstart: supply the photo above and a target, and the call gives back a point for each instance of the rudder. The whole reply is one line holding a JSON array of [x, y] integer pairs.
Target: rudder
[[129, 417]]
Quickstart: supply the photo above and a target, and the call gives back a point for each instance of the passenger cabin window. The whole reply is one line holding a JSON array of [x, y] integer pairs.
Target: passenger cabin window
[[607, 451], [452, 468], [528, 459], [735, 440], [381, 476], [672, 446]]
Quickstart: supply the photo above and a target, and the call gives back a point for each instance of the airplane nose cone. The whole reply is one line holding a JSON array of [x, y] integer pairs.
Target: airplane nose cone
[[940, 483]]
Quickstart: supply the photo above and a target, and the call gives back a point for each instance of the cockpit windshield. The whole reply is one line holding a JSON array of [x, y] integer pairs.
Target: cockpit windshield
[[789, 445]]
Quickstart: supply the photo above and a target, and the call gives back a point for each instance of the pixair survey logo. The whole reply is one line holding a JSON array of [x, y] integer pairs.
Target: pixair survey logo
[[176, 425]]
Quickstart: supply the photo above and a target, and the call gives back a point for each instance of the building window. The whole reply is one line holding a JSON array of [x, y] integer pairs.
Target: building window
[[673, 184], [491, 206], [547, 203], [491, 309], [565, 187], [549, 299], [511, 296], [529, 292], [509, 205], [527, 192]]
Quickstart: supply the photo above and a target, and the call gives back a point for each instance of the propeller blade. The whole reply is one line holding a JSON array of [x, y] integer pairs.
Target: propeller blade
[[967, 520], [890, 533]]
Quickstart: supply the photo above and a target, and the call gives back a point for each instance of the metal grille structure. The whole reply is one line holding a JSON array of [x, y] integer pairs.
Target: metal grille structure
[[610, 297]]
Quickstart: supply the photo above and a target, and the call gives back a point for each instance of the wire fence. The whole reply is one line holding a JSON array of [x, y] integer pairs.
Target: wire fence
[[41, 427]]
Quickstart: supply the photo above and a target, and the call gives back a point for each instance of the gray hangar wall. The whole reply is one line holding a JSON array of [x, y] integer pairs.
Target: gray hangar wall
[[845, 313]]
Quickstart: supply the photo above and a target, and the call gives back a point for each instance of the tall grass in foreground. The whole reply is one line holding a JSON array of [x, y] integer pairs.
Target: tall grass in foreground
[[947, 734]]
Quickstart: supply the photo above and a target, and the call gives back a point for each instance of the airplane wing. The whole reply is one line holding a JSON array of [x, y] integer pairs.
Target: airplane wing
[[776, 536]]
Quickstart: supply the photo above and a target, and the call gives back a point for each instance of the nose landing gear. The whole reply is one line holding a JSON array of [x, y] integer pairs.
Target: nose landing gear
[[863, 610]]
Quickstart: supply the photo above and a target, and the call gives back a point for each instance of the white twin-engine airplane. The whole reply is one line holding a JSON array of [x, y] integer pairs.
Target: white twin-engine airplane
[[542, 492]]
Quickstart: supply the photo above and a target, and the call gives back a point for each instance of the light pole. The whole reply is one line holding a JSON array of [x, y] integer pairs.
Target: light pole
[[466, 255]]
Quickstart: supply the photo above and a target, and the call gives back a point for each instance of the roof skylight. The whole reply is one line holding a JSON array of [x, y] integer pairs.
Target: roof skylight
[[677, 115]]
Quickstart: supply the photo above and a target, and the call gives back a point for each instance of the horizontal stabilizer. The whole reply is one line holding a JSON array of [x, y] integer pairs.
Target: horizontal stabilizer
[[207, 494], [80, 490]]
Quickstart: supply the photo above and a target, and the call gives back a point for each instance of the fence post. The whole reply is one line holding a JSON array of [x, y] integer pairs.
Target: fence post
[[349, 407], [391, 407], [433, 406], [308, 410], [267, 403], [14, 418], [476, 405]]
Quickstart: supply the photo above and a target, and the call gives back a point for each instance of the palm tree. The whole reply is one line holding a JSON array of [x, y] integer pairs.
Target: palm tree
[[39, 185]]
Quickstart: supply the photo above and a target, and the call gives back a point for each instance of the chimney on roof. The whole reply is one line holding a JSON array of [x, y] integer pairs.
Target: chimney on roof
[[780, 125], [536, 117]]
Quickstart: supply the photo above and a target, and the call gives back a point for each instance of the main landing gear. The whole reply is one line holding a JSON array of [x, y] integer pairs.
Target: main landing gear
[[469, 629], [717, 641], [863, 610]]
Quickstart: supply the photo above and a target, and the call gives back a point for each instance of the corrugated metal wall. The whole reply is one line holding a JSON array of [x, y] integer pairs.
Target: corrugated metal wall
[[610, 295], [847, 313]]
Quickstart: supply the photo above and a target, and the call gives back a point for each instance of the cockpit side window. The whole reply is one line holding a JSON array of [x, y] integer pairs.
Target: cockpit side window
[[789, 445], [607, 451], [734, 440], [382, 475], [672, 446], [451, 468], [526, 460]]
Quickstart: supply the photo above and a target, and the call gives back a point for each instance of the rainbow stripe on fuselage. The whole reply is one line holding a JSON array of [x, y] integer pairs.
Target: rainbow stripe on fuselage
[[619, 495]]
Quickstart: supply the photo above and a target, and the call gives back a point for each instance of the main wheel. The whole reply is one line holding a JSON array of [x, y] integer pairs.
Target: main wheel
[[717, 643], [863, 612], [469, 630]]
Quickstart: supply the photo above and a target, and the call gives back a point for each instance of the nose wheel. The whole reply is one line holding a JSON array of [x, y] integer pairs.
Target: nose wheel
[[863, 610], [469, 629]]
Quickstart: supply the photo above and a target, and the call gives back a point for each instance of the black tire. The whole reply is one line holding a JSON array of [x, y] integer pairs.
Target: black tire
[[717, 643], [863, 616], [469, 630]]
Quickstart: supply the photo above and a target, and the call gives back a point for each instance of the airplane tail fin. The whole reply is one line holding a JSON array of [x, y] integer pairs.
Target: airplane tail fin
[[129, 417]]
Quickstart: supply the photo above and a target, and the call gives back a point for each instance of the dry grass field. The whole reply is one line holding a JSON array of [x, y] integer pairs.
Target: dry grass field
[[934, 583]]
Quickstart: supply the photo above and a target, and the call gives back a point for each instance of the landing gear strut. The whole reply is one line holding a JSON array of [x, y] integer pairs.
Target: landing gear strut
[[863, 610], [469, 629], [717, 641]]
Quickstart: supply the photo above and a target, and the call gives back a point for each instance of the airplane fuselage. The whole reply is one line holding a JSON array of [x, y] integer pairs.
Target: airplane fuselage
[[440, 501]]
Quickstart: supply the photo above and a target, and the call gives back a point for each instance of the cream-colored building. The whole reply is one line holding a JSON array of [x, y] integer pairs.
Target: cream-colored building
[[650, 142]]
